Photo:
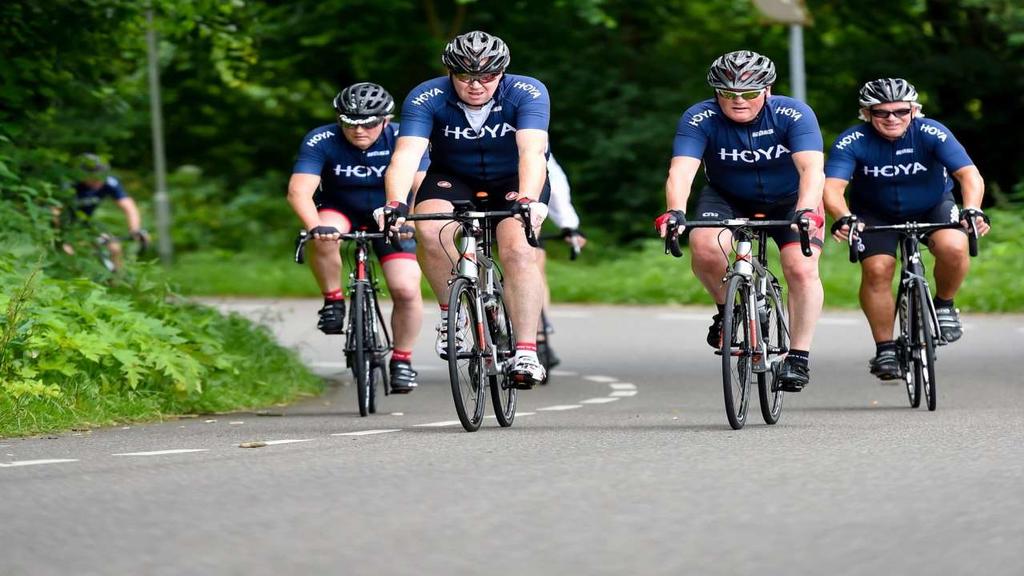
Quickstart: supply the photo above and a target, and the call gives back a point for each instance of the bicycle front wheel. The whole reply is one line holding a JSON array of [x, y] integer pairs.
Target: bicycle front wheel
[[503, 394], [906, 310], [736, 350], [924, 358], [776, 334], [465, 354], [361, 351]]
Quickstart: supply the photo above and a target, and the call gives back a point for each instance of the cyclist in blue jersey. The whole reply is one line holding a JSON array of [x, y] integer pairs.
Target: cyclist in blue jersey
[[762, 154], [96, 183], [899, 164], [487, 133], [335, 186]]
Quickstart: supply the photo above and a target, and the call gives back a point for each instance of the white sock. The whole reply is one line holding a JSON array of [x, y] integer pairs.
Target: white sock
[[527, 354]]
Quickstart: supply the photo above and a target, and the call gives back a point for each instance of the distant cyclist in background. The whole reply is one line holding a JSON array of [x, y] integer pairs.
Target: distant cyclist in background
[[762, 154], [900, 165], [94, 183], [563, 215], [335, 186]]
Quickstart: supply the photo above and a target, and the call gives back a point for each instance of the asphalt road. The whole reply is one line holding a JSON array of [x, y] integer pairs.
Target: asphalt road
[[624, 464]]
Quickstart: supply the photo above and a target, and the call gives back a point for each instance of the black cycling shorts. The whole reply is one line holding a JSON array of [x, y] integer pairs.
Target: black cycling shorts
[[886, 242], [500, 194], [363, 220], [714, 205]]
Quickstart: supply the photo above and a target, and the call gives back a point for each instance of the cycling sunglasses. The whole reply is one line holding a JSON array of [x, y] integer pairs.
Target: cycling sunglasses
[[369, 123], [730, 95], [481, 78], [901, 113]]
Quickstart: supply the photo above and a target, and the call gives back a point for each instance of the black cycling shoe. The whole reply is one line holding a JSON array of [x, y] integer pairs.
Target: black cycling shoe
[[886, 366], [403, 377], [949, 323], [793, 376], [332, 318], [715, 332]]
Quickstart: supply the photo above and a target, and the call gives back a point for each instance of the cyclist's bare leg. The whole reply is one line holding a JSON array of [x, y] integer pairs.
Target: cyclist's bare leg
[[542, 261], [523, 292], [326, 260], [951, 261], [876, 297], [708, 262], [436, 255], [806, 294], [116, 253], [403, 279]]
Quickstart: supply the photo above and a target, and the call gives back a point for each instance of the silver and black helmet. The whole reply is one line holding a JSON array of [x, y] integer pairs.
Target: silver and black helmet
[[363, 103], [741, 70], [885, 90], [476, 53]]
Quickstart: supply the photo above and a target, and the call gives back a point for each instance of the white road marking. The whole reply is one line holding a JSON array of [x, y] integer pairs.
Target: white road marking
[[162, 452], [437, 424], [600, 378], [525, 413], [623, 386], [398, 413], [276, 442], [563, 373], [367, 432], [35, 462], [602, 400], [560, 407], [623, 393]]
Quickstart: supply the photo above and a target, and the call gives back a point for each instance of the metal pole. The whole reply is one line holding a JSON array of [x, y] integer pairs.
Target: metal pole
[[163, 208], [796, 62]]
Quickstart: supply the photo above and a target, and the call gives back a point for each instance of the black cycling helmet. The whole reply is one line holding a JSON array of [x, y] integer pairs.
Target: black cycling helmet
[[476, 53], [363, 103], [886, 90], [92, 166], [741, 70]]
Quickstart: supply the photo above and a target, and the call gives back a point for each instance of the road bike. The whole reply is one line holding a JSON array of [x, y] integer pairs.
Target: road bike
[[367, 341], [481, 340], [755, 322], [919, 333]]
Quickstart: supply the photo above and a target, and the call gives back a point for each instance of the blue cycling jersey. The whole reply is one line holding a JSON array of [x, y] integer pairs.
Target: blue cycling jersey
[[432, 111], [897, 178], [751, 161], [356, 176], [87, 199]]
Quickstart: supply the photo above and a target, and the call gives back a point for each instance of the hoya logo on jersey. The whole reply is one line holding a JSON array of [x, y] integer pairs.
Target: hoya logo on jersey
[[751, 156], [496, 131], [791, 112], [895, 170], [427, 95], [698, 118], [849, 139], [319, 138], [928, 129], [360, 171], [533, 90]]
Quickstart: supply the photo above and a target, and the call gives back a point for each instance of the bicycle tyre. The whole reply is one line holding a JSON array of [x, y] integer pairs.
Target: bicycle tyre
[[361, 353], [503, 394], [905, 310], [776, 334], [466, 369], [376, 343], [925, 361], [736, 368]]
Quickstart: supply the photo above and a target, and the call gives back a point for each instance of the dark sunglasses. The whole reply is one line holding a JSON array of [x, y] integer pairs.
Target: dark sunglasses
[[901, 113], [368, 123], [481, 78], [730, 95]]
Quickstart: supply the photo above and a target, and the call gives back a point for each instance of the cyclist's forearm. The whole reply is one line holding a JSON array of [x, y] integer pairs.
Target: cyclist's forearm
[[131, 214], [680, 179], [532, 174], [301, 188], [834, 197], [972, 186], [811, 166], [400, 177]]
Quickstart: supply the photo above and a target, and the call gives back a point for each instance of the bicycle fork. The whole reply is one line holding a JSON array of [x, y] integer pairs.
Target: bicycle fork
[[469, 266], [758, 286]]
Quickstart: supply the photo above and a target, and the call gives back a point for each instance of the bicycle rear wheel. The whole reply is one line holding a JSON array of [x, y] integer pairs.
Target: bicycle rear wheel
[[362, 353], [776, 334], [465, 362], [379, 345], [906, 311], [924, 358], [736, 368], [503, 394]]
